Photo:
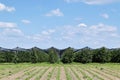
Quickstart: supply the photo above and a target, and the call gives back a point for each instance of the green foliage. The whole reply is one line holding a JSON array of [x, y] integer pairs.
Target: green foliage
[[6, 56], [34, 56], [68, 56], [101, 55], [15, 58], [53, 56], [83, 56], [2, 58], [23, 56], [115, 56]]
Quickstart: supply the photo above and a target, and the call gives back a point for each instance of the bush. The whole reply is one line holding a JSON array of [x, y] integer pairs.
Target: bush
[[68, 56], [53, 55], [83, 56], [101, 55]]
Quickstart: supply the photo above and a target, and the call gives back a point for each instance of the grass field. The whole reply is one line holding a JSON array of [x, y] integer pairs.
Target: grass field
[[74, 71]]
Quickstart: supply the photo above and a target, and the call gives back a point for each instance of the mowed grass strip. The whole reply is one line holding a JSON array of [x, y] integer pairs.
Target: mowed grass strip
[[80, 75], [110, 77], [10, 69], [72, 74], [26, 73], [33, 73], [51, 73], [75, 72], [58, 74], [45, 75], [87, 69], [86, 75], [67, 73], [14, 76], [54, 74], [40, 74], [108, 71]]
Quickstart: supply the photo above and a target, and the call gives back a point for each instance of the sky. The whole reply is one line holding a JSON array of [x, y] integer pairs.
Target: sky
[[60, 23]]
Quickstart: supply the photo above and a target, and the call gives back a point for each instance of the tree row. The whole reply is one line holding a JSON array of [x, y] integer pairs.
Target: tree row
[[68, 55]]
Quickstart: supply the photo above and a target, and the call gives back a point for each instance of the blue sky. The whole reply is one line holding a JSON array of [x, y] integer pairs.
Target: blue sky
[[60, 23]]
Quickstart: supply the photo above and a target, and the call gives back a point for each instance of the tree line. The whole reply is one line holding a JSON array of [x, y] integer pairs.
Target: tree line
[[68, 55]]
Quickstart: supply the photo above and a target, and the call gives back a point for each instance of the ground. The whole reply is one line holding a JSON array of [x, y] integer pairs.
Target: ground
[[46, 71]]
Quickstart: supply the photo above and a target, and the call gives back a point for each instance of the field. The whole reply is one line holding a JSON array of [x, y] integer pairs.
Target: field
[[74, 71]]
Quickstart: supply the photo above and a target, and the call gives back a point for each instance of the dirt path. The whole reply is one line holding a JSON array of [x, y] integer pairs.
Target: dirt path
[[29, 73], [110, 77], [54, 75], [92, 74], [78, 73], [107, 71], [44, 76], [14, 76], [39, 73], [72, 74], [62, 74], [99, 75]]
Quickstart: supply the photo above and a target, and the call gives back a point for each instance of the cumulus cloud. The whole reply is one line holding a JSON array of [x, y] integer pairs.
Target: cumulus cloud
[[55, 12], [82, 25], [79, 35], [14, 32], [7, 25], [93, 2], [45, 35], [90, 35], [3, 7], [48, 32], [25, 21], [10, 29], [105, 15]]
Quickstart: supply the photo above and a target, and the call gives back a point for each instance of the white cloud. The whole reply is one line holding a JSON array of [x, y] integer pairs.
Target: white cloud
[[55, 12], [82, 25], [99, 1], [94, 35], [69, 35], [69, 1], [7, 25], [93, 2], [105, 15], [25, 21], [9, 29], [103, 28], [3, 7], [14, 32], [48, 32], [45, 35]]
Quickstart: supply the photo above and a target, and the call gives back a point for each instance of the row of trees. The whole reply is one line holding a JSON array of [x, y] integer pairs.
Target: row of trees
[[69, 55]]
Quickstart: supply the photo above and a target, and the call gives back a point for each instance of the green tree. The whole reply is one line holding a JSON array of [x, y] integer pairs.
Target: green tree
[[115, 55], [33, 56], [15, 58], [6, 56], [24, 56], [101, 55], [83, 56], [68, 56], [2, 57], [53, 55]]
